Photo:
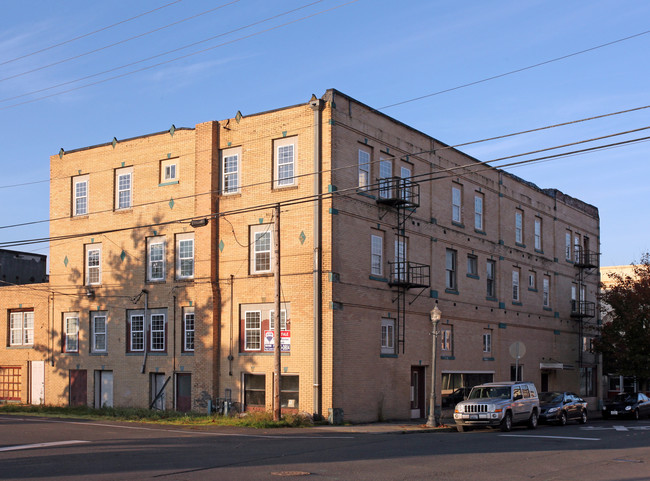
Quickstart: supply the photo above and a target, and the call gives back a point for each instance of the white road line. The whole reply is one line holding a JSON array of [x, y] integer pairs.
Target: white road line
[[547, 437], [42, 445], [190, 432]]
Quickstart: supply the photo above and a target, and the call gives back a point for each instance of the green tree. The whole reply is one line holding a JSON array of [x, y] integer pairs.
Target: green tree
[[625, 335]]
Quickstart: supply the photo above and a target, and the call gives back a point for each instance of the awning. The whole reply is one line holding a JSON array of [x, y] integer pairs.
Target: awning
[[555, 365]]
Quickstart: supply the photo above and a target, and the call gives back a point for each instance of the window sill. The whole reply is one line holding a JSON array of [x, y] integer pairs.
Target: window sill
[[488, 359], [285, 187], [478, 231], [162, 281], [20, 346], [261, 274], [171, 182], [516, 303], [379, 279], [457, 224], [98, 354], [388, 355], [448, 358], [532, 289], [187, 353], [473, 276], [539, 251], [362, 193], [492, 299], [70, 353], [79, 217], [149, 353], [231, 195], [184, 279], [126, 210], [548, 309], [452, 291], [519, 244]]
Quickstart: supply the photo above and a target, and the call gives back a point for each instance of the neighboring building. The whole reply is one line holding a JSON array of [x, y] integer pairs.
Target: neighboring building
[[379, 223], [22, 267]]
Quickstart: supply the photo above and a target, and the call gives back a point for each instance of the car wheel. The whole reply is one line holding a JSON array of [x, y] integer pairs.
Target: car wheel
[[532, 421], [562, 420], [583, 417], [636, 414], [506, 424]]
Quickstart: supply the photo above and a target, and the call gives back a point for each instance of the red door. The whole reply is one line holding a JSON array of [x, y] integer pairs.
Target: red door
[[78, 387], [183, 392]]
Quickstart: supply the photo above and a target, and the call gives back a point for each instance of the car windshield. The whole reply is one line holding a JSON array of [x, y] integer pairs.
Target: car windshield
[[481, 392], [551, 397], [625, 398]]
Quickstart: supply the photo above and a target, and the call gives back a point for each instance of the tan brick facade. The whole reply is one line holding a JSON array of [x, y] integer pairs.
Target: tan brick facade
[[336, 294]]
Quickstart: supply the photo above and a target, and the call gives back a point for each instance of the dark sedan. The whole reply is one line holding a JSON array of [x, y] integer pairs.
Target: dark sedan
[[559, 407], [633, 405]]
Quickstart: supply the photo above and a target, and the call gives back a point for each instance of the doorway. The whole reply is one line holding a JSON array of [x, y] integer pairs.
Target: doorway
[[417, 392], [37, 382], [103, 389], [183, 392], [78, 385]]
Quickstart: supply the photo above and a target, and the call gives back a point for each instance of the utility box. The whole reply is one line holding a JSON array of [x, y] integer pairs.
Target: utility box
[[335, 416]]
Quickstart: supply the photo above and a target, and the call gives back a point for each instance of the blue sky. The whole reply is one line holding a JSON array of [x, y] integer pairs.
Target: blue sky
[[380, 52]]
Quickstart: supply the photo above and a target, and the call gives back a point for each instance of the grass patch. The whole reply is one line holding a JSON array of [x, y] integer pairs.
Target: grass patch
[[260, 420]]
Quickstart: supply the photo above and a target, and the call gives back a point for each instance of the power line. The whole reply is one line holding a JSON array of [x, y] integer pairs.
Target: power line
[[89, 33], [487, 79], [89, 52]]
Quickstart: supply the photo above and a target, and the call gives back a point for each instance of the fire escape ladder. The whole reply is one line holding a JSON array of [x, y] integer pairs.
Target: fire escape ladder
[[581, 309]]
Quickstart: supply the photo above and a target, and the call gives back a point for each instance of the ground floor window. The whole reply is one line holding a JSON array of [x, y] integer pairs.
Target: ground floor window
[[588, 381], [516, 372], [254, 390], [454, 380], [289, 392], [10, 383]]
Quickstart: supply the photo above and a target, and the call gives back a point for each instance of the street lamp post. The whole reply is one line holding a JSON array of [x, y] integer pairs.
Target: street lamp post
[[432, 420]]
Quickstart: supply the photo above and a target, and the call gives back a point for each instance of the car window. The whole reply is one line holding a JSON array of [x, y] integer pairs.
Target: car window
[[516, 392], [526, 392], [550, 397]]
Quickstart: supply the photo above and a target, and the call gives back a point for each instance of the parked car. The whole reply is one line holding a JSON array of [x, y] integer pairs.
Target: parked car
[[498, 404], [634, 405], [456, 396], [560, 406]]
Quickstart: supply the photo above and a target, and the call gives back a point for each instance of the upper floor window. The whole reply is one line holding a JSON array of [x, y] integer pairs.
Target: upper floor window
[[491, 267], [546, 285], [98, 332], [156, 258], [538, 233], [450, 269], [253, 330], [230, 180], [456, 204], [472, 265], [21, 328], [285, 162], [376, 255], [80, 190], [567, 245], [519, 226], [71, 333], [168, 171], [260, 254], [385, 174], [487, 341], [123, 188], [532, 280], [150, 333], [93, 264], [515, 285], [388, 336], [283, 320], [400, 258], [446, 338], [576, 248], [364, 169], [157, 332], [185, 256], [188, 330], [405, 185], [478, 212]]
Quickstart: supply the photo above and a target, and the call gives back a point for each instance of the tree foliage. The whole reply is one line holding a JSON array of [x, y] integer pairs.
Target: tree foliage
[[625, 335]]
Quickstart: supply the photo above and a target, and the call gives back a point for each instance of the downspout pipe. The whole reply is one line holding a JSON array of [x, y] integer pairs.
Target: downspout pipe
[[146, 330], [316, 105]]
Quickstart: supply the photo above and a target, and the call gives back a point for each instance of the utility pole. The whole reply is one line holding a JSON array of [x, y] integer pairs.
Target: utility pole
[[277, 410]]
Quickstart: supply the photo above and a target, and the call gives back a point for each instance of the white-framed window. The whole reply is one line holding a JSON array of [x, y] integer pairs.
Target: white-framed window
[[456, 204], [385, 176], [387, 336], [80, 192], [450, 269], [136, 332], [478, 212], [472, 265], [576, 248], [519, 226], [515, 285], [21, 328], [538, 233], [567, 245], [253, 330], [283, 320], [364, 169], [574, 300], [376, 255], [157, 332], [405, 186], [446, 338], [168, 171], [71, 333], [285, 162], [93, 264], [491, 268], [261, 256], [123, 188], [185, 256], [156, 258], [546, 292], [230, 177], [400, 258], [532, 280], [188, 330], [98, 332], [487, 341]]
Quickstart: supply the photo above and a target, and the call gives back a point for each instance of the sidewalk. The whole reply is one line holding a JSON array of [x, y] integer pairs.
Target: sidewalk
[[395, 427]]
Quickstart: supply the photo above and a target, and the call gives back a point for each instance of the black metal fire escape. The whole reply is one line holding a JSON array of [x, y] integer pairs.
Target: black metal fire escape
[[402, 195], [585, 260]]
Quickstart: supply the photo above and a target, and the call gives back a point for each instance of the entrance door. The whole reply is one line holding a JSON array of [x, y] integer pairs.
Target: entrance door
[[37, 384], [78, 387], [417, 392], [157, 382], [183, 392], [103, 389]]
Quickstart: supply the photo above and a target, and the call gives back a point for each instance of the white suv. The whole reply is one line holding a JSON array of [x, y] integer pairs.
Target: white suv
[[499, 404]]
